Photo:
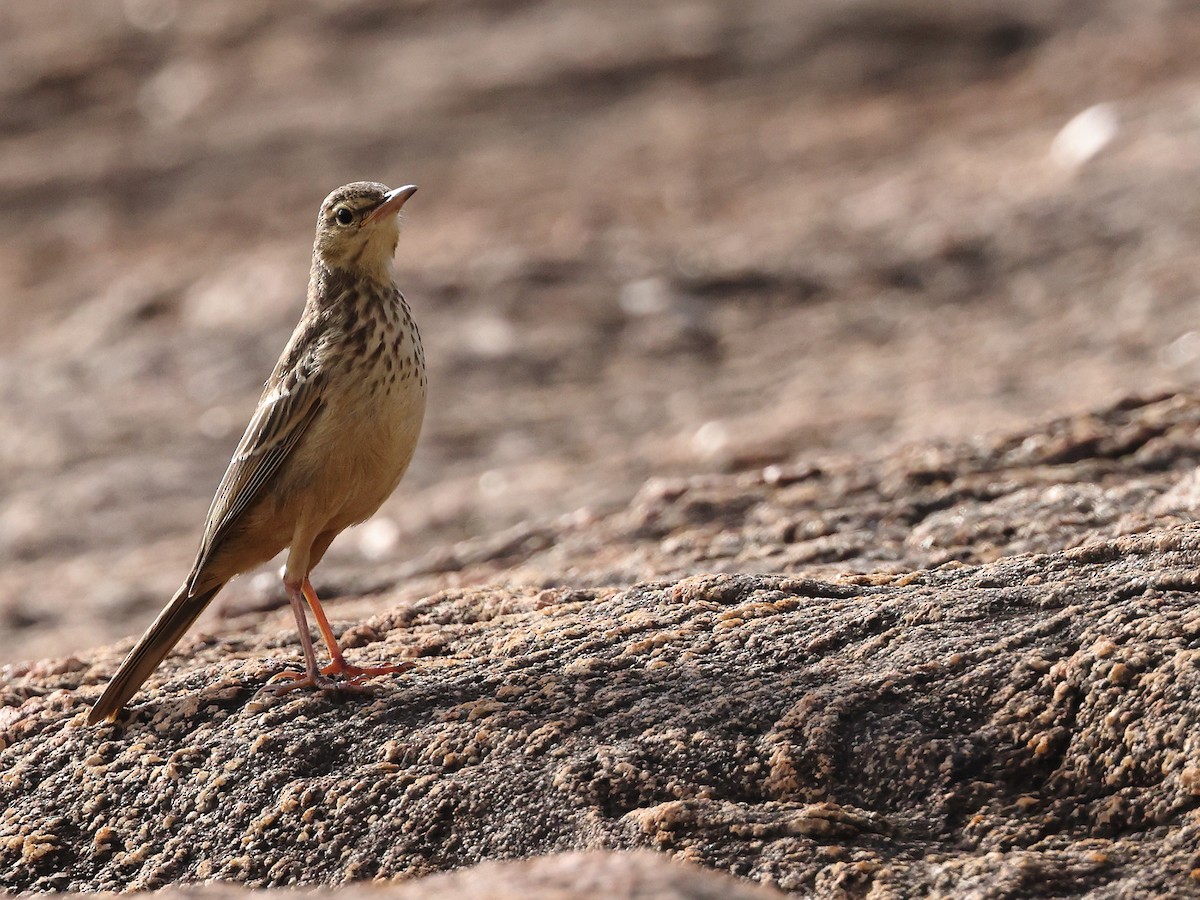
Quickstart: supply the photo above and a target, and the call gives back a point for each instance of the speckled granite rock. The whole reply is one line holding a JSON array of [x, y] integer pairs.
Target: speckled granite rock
[[982, 728], [1126, 469]]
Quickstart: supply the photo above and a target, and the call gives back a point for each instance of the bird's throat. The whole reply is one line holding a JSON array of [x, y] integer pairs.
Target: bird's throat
[[363, 254]]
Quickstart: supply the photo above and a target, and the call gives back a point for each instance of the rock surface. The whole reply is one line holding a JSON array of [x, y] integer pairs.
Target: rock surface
[[936, 707], [712, 236], [729, 539]]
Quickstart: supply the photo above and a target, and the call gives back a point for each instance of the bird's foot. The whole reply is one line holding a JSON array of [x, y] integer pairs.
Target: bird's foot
[[358, 674], [326, 680], [291, 680]]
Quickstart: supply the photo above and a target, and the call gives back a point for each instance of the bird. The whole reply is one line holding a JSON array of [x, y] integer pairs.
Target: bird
[[333, 433]]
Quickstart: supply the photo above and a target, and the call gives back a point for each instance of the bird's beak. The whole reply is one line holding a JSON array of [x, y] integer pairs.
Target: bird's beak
[[391, 204]]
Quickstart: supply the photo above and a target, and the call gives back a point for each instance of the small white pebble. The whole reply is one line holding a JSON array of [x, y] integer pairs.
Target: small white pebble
[[710, 439], [215, 422], [1182, 351], [489, 336], [493, 483], [1084, 136], [644, 297], [378, 537]]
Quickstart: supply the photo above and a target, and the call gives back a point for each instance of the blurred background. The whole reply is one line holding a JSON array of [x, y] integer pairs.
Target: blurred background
[[653, 237]]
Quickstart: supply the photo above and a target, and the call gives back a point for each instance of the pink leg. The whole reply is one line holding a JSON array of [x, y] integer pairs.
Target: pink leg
[[339, 666], [313, 676]]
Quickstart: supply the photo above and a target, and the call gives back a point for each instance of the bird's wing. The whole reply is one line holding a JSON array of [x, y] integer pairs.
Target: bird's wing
[[284, 413]]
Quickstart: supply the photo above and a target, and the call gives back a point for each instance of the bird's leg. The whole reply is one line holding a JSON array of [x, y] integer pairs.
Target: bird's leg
[[339, 666], [312, 675]]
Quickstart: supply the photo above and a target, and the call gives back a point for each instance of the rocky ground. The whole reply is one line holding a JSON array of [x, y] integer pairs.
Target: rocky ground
[[979, 713], [743, 527]]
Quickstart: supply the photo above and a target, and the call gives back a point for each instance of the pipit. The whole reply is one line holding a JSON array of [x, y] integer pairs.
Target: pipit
[[333, 433]]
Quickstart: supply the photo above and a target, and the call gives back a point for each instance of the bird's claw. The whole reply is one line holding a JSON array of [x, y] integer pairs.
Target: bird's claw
[[354, 677], [290, 680], [357, 673]]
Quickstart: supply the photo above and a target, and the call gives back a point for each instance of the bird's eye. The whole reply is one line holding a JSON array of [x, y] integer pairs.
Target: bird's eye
[[344, 216]]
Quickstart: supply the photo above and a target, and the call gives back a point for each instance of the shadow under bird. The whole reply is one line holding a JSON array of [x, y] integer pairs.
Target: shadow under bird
[[333, 433]]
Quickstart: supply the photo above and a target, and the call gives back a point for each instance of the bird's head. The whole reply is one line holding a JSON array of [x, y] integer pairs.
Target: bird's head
[[357, 228]]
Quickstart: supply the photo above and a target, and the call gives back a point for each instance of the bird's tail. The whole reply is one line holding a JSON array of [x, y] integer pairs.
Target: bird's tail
[[155, 644]]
